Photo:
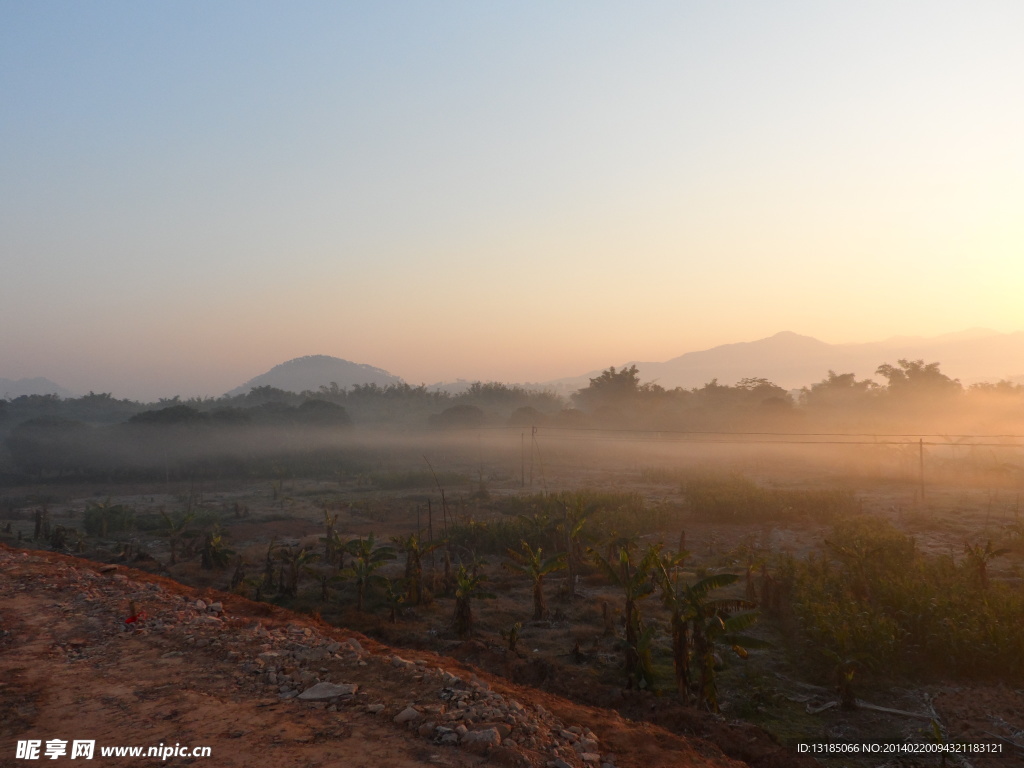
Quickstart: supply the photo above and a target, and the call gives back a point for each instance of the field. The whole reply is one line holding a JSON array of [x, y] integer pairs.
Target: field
[[812, 594]]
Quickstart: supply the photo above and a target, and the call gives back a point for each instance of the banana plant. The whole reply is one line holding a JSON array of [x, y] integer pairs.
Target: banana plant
[[532, 563], [367, 557], [635, 578], [414, 550], [468, 586], [699, 624]]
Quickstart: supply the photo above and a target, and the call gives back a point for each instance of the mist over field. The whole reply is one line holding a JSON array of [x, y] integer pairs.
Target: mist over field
[[841, 420]]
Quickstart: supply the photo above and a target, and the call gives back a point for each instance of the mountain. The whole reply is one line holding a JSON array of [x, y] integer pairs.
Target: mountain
[[313, 371], [10, 388], [792, 360]]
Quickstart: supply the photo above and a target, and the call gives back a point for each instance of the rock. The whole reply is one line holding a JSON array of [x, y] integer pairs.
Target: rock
[[479, 741], [325, 691], [503, 729], [354, 645], [591, 758], [217, 607], [426, 730], [375, 709], [398, 661], [200, 605], [408, 715], [558, 763], [312, 654], [450, 739]]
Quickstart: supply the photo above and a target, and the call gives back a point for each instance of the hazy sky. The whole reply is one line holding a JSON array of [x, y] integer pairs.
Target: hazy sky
[[192, 192]]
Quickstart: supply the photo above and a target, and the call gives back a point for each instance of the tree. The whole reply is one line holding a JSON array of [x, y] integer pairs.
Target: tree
[[530, 562], [838, 390], [914, 379], [609, 389]]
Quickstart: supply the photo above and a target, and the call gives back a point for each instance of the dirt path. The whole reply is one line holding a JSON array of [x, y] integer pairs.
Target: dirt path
[[226, 674]]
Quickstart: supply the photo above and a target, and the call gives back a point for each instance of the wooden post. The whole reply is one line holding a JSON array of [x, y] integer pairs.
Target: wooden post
[[430, 530], [920, 462], [522, 459]]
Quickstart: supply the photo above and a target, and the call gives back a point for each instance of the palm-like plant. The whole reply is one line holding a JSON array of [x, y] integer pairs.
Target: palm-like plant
[[215, 550], [394, 593], [572, 528], [634, 578], [367, 557], [699, 623], [532, 563], [330, 538], [175, 529], [468, 585], [414, 550], [295, 562], [979, 557]]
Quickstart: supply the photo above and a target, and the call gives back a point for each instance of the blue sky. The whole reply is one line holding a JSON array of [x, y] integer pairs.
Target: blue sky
[[191, 193]]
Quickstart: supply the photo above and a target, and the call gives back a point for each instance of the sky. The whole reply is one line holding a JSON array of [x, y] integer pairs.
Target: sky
[[194, 192]]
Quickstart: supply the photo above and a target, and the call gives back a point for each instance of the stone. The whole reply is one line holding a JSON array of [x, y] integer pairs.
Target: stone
[[426, 730], [325, 691], [354, 645], [200, 605], [408, 715], [375, 709], [450, 739], [591, 758], [503, 729], [480, 740]]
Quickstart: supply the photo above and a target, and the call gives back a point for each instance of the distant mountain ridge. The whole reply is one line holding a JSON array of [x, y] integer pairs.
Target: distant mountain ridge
[[792, 360], [313, 371], [11, 388]]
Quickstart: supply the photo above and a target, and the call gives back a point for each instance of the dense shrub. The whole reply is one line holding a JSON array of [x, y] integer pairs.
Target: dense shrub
[[735, 499], [875, 598]]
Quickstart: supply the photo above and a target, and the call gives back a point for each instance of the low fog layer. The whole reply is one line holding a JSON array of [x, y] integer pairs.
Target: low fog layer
[[852, 424]]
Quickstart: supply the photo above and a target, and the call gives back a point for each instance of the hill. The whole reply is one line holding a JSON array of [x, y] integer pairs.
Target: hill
[[313, 371], [11, 388], [792, 360]]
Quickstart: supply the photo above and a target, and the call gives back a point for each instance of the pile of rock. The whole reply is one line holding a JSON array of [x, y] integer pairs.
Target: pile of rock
[[298, 662]]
